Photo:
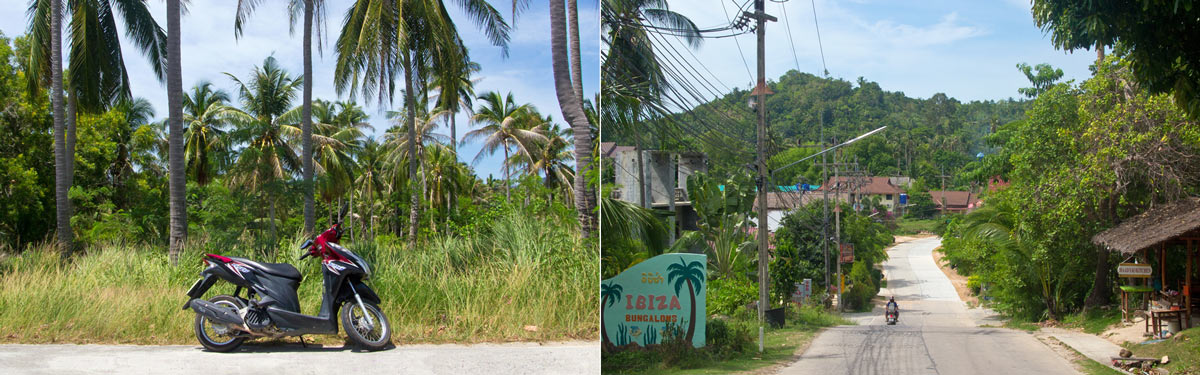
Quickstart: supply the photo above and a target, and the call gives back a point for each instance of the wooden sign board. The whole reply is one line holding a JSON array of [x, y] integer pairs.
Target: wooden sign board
[[1134, 270], [847, 253]]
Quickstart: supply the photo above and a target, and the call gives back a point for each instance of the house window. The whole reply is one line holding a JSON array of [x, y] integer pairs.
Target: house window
[[889, 197]]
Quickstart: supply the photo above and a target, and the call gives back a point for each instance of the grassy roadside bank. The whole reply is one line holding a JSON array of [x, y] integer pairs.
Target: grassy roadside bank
[[525, 273], [732, 352]]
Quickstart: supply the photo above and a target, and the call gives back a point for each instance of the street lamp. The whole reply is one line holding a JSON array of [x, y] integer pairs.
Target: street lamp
[[837, 209], [760, 89]]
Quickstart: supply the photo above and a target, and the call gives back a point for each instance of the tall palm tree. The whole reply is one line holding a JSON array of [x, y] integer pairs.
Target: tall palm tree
[[135, 113], [206, 111], [382, 37], [504, 124], [443, 171], [370, 177], [177, 183], [97, 72], [338, 132], [551, 159], [454, 91], [571, 104], [313, 11], [268, 157]]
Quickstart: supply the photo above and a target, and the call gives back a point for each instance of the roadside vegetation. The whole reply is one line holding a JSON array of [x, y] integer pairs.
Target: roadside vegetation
[[1183, 350], [107, 203], [732, 345], [484, 288], [1084, 157]]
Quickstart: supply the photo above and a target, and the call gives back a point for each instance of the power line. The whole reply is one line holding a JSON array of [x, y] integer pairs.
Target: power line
[[788, 23], [739, 44], [819, 43]]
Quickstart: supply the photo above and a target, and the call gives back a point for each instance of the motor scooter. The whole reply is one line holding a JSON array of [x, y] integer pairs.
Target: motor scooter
[[271, 307]]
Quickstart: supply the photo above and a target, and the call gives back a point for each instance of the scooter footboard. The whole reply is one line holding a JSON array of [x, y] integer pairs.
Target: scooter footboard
[[215, 312]]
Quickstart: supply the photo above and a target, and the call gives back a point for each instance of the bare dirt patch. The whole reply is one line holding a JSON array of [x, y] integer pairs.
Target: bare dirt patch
[[903, 239], [959, 281]]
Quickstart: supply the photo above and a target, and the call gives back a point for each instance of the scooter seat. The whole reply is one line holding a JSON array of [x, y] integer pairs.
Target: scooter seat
[[278, 269]]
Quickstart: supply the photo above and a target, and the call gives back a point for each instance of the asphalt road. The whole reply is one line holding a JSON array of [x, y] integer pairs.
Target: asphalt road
[[558, 358], [936, 333]]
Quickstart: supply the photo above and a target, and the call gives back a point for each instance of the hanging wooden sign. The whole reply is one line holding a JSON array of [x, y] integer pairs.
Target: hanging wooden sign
[[1134, 270]]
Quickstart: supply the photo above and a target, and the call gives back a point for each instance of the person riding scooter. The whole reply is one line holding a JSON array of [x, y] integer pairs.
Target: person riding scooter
[[893, 308]]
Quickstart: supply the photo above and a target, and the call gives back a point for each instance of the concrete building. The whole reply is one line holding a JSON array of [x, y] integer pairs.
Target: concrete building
[[665, 179]]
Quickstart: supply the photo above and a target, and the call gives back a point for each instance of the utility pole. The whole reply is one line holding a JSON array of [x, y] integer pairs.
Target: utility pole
[[943, 177], [761, 92], [837, 233], [825, 202]]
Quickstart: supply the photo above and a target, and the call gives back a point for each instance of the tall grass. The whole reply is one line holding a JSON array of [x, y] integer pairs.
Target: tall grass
[[449, 289]]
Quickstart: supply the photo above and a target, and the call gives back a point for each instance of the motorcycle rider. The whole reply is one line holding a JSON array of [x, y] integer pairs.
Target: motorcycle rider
[[893, 307]]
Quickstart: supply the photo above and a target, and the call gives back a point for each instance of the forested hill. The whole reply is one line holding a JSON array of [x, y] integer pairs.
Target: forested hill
[[923, 136]]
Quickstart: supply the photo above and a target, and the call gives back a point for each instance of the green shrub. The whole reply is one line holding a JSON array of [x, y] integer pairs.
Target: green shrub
[[861, 290], [974, 282], [726, 338], [727, 296]]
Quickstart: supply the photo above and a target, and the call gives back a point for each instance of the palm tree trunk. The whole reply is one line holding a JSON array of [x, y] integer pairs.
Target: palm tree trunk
[[72, 108], [271, 216], [351, 213], [410, 103], [62, 178], [175, 169], [572, 111], [576, 66], [453, 135], [506, 172], [306, 121]]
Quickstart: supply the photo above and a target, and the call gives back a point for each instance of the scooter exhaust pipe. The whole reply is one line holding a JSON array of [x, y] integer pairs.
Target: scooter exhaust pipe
[[216, 313]]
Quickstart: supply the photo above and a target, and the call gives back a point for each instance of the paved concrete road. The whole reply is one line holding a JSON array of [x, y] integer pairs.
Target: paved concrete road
[[936, 333], [558, 358]]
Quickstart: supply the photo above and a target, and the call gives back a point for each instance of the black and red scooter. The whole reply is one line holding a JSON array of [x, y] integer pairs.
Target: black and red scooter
[[271, 307]]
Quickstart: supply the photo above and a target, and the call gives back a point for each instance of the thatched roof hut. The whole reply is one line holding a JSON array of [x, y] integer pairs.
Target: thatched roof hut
[[1153, 227]]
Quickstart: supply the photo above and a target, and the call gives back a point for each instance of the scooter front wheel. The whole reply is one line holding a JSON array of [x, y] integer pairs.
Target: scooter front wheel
[[218, 337], [366, 325]]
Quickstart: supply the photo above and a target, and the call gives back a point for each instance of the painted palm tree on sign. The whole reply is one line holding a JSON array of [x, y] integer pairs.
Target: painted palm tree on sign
[[267, 157], [505, 125], [97, 72], [692, 275], [312, 11], [610, 294], [380, 38], [206, 112]]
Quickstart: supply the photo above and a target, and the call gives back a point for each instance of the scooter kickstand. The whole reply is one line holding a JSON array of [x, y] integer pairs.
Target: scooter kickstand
[[302, 344]]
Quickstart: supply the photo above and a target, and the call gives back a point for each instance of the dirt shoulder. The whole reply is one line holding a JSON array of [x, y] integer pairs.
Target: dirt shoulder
[[959, 281]]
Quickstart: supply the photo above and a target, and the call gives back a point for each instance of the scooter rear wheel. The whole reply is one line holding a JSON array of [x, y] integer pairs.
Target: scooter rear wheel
[[373, 335], [226, 339]]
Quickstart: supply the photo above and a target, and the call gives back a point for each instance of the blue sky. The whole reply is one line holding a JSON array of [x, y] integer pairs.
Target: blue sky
[[966, 49], [209, 48]]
